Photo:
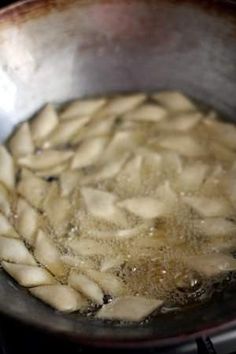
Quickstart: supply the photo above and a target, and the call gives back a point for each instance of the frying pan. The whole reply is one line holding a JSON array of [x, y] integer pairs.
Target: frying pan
[[56, 50]]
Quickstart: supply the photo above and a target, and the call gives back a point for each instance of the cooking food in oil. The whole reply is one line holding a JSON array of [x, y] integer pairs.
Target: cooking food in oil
[[120, 207]]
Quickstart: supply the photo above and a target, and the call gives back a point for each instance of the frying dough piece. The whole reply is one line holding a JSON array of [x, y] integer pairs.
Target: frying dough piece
[[14, 250], [174, 101], [48, 255], [89, 151], [61, 297], [212, 264], [7, 174], [80, 108], [229, 186], [87, 247], [183, 144], [45, 159], [57, 209], [221, 152], [27, 221], [106, 170], [32, 188], [44, 123], [86, 286], [64, 132], [21, 143], [6, 229], [172, 163], [209, 207], [129, 308], [147, 112], [110, 263], [78, 262], [182, 122], [5, 199], [223, 132], [120, 105], [192, 177], [27, 275], [94, 129], [216, 226], [144, 207], [55, 171], [102, 205], [110, 284], [68, 181], [120, 234]]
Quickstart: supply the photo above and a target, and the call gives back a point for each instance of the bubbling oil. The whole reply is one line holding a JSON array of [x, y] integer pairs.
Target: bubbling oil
[[153, 264], [153, 261], [180, 165]]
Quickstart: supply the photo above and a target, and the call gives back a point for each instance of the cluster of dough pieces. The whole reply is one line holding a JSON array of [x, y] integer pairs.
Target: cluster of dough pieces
[[50, 173]]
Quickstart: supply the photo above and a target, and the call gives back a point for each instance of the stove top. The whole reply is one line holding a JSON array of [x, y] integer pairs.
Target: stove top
[[17, 338]]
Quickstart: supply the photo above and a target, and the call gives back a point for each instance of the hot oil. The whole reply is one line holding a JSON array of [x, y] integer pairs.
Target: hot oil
[[152, 262], [160, 272]]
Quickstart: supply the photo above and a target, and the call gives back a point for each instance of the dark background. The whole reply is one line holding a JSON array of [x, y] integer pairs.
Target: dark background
[[7, 2]]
